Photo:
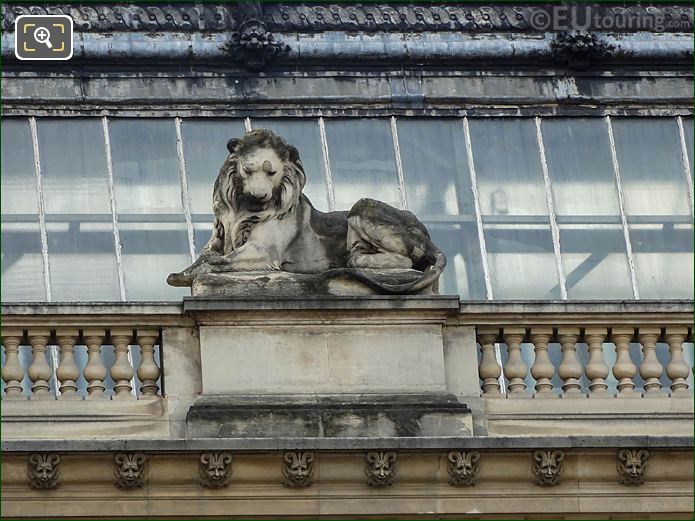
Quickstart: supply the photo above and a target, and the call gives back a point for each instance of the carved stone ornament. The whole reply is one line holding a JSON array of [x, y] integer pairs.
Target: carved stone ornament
[[632, 466], [254, 45], [215, 469], [312, 17], [130, 469], [298, 469], [463, 468], [266, 232], [579, 48], [44, 471], [380, 468], [547, 467]]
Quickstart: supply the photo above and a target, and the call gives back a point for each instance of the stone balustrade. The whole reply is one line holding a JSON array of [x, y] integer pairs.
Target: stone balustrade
[[48, 357], [344, 346], [570, 361]]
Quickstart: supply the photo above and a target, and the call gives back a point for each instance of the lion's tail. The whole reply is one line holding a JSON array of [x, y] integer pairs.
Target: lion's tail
[[428, 278]]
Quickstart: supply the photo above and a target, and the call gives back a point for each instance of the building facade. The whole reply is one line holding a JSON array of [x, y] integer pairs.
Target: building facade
[[547, 148]]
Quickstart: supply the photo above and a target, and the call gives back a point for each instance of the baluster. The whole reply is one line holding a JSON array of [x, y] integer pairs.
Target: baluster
[[13, 372], [596, 369], [148, 372], [515, 369], [542, 369], [39, 371], [624, 370], [570, 370], [67, 372], [95, 370], [489, 370], [677, 370], [122, 371], [650, 369]]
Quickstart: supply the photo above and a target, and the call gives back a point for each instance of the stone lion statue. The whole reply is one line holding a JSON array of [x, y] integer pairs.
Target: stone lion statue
[[263, 222]]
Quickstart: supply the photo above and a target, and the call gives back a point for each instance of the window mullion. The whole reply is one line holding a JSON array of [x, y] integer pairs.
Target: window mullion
[[399, 164], [327, 165], [554, 228], [621, 206], [114, 209], [184, 188], [686, 165], [476, 205], [41, 209]]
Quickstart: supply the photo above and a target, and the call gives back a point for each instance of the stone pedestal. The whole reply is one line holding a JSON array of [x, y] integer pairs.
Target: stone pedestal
[[324, 366], [272, 284]]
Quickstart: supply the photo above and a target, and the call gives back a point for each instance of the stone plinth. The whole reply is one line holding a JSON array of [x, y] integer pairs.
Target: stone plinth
[[335, 416], [324, 366], [271, 284]]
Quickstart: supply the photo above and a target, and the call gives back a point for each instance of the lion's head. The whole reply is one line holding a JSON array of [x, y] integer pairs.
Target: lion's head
[[262, 178]]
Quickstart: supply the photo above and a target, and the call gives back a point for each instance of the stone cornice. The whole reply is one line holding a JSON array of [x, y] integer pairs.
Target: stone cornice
[[369, 18], [502, 443]]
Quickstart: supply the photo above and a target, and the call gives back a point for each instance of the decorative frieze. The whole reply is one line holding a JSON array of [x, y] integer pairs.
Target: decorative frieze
[[310, 17], [380, 468], [215, 469], [130, 469], [632, 466], [547, 467], [298, 469], [44, 471], [463, 467]]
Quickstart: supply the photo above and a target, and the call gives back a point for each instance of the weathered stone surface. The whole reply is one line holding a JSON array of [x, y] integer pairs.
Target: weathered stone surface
[[258, 284], [373, 416], [322, 358], [264, 223]]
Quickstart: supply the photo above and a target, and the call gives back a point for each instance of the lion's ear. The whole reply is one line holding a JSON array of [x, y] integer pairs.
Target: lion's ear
[[293, 153], [232, 144]]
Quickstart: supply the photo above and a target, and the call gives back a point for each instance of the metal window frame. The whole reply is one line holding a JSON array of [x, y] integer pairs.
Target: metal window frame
[[393, 120]]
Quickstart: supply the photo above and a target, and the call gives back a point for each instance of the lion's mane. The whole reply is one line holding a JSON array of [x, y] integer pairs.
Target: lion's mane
[[233, 219]]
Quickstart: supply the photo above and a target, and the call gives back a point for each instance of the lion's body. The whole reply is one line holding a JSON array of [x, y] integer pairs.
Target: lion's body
[[264, 222]]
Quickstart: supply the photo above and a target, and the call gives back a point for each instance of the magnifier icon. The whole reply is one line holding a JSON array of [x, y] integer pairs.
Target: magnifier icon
[[43, 35]]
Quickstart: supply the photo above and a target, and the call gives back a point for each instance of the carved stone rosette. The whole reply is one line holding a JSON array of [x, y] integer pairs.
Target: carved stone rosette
[[130, 469], [463, 468], [579, 48], [44, 471], [547, 467], [215, 469], [298, 469], [254, 45], [380, 468], [632, 466]]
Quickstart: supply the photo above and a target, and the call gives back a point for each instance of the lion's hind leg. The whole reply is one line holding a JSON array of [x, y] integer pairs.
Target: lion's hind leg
[[375, 243]]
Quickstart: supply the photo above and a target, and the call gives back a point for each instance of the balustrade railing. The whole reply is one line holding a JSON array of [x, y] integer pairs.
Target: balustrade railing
[[592, 361], [68, 363]]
